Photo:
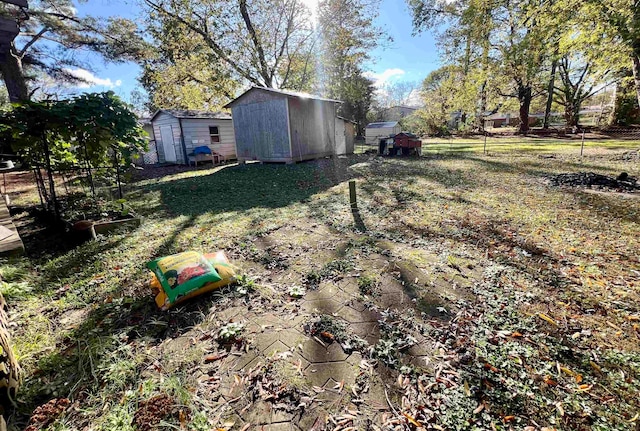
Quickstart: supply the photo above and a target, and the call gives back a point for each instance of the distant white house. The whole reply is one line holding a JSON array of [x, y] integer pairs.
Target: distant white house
[[374, 131], [177, 132]]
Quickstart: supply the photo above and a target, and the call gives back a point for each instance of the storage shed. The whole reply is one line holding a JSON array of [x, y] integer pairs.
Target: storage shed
[[284, 126], [374, 131], [178, 132], [345, 135]]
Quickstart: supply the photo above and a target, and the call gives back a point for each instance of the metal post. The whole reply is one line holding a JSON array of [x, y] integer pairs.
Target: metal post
[[485, 142], [582, 146], [90, 175], [117, 166]]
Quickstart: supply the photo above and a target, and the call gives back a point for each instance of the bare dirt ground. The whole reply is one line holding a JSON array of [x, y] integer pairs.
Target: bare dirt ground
[[478, 296]]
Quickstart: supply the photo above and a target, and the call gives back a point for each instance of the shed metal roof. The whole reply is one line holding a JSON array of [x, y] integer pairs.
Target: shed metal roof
[[346, 119], [284, 93], [192, 113], [381, 125]]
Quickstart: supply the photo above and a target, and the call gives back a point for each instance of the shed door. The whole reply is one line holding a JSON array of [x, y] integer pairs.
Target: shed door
[[166, 134], [341, 147]]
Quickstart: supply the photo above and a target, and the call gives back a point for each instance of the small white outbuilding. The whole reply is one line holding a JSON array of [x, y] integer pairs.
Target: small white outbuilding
[[178, 132], [374, 131]]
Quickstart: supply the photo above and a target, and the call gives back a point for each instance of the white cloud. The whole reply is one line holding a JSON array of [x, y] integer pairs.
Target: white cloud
[[90, 80], [380, 79], [414, 99]]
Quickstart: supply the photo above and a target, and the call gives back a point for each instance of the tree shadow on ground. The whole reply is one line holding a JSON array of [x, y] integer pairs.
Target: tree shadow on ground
[[79, 362], [501, 242], [240, 188]]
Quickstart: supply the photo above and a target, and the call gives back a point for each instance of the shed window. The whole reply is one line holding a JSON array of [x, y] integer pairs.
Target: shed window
[[214, 134]]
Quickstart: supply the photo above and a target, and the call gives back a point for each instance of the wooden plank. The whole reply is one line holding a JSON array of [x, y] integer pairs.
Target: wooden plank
[[10, 242]]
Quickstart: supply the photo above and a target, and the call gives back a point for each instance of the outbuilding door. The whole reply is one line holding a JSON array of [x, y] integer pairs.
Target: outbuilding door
[[341, 144], [166, 134]]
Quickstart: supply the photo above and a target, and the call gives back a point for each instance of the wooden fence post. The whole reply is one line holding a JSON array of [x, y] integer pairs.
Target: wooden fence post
[[352, 195]]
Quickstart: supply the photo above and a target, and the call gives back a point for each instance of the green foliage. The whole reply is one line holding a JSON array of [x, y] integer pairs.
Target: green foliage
[[85, 128], [230, 332], [94, 129], [367, 284], [256, 42], [504, 50], [179, 71], [626, 110], [297, 291], [347, 43], [50, 35]]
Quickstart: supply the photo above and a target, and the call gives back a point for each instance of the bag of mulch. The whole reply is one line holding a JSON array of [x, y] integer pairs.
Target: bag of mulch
[[225, 271], [183, 273]]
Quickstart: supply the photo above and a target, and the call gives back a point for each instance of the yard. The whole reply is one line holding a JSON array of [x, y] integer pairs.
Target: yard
[[478, 297]]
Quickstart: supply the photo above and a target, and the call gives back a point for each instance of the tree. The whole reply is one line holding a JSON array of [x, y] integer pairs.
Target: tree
[[256, 41], [621, 19], [438, 97], [500, 39], [90, 130], [49, 39], [605, 32], [180, 72], [399, 93], [469, 43], [578, 83], [347, 36]]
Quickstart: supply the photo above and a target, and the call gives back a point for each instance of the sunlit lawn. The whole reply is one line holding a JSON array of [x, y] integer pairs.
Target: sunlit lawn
[[87, 328]]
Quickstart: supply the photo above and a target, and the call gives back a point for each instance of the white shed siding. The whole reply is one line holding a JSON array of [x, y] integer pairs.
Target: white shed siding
[[373, 134], [196, 134], [163, 119]]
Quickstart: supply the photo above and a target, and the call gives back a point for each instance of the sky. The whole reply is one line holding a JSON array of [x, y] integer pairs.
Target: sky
[[408, 58]]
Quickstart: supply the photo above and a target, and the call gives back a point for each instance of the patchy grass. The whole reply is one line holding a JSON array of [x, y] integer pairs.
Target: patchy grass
[[527, 145], [496, 297]]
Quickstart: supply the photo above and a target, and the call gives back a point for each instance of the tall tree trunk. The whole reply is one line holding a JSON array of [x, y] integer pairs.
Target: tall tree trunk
[[635, 57], [572, 113], [524, 97], [547, 109], [11, 71]]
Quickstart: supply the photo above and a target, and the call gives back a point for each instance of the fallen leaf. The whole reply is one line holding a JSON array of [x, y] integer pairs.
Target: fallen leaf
[[411, 419], [467, 391], [215, 357], [547, 318], [328, 336], [488, 366]]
